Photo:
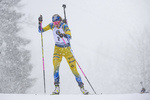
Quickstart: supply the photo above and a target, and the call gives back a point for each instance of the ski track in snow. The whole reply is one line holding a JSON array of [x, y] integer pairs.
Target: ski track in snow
[[74, 97]]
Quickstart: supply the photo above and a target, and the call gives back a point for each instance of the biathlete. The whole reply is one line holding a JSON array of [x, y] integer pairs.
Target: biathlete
[[61, 30]]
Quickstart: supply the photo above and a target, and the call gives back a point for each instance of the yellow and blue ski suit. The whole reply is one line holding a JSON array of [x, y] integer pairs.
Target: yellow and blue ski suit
[[61, 50]]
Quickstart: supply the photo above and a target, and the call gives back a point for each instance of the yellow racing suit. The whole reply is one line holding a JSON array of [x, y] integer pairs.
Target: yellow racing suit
[[62, 50]]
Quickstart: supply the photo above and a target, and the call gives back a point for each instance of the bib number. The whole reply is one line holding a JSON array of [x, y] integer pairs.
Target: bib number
[[58, 38]]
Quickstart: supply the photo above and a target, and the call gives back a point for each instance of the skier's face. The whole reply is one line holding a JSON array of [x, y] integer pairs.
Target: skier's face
[[56, 23]]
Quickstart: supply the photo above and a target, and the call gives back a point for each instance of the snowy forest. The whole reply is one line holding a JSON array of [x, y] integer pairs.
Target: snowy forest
[[15, 68], [114, 61]]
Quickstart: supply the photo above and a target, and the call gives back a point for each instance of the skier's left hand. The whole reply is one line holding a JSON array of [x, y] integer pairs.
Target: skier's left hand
[[61, 35]]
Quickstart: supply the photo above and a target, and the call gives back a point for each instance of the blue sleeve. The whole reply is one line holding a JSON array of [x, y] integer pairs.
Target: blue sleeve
[[67, 36], [40, 28], [51, 25], [66, 28]]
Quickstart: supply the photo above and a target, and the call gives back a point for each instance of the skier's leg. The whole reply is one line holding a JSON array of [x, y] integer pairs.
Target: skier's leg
[[72, 63], [57, 57]]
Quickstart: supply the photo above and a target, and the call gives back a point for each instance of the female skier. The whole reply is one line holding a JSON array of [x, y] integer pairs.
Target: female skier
[[61, 30]]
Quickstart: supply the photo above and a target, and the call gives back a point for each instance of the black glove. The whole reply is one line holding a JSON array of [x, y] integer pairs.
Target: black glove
[[40, 19], [61, 35], [64, 20]]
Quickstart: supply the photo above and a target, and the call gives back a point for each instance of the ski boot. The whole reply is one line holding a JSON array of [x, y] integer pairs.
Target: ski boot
[[57, 90], [85, 92]]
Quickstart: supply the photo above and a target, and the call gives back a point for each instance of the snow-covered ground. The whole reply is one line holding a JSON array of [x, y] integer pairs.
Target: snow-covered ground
[[75, 97]]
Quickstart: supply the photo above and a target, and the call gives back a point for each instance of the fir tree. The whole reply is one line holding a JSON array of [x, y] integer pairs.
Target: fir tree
[[15, 68]]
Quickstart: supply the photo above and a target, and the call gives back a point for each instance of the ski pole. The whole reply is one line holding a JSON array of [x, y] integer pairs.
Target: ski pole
[[141, 84], [80, 68], [41, 19], [64, 6]]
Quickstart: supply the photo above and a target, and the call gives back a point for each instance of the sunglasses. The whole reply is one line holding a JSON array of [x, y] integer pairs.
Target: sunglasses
[[56, 22]]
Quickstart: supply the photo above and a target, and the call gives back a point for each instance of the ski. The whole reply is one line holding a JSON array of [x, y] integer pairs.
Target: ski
[[54, 94]]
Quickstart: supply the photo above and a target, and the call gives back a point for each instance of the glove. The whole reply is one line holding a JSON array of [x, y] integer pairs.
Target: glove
[[40, 19], [65, 21], [61, 35]]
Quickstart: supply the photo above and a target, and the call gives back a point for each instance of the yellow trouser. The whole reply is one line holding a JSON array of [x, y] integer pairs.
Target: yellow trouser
[[59, 52]]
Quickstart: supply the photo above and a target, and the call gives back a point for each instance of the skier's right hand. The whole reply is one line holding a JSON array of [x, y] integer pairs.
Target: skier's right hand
[[40, 19]]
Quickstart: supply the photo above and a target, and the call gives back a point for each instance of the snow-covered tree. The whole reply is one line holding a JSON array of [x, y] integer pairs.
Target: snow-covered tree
[[139, 57], [14, 59]]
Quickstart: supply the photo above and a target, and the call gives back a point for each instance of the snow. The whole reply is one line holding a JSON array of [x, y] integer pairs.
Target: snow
[[103, 54], [75, 97], [101, 42]]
